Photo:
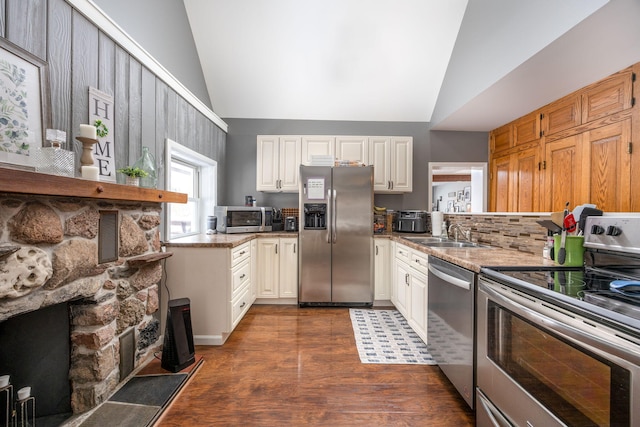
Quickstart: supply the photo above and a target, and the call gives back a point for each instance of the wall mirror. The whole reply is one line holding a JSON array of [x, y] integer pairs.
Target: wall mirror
[[458, 187]]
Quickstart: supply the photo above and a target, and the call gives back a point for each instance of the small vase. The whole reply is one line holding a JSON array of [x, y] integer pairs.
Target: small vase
[[148, 164], [132, 180]]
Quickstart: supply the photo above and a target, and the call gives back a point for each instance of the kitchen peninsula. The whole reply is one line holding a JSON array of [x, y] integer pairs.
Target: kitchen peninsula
[[224, 274]]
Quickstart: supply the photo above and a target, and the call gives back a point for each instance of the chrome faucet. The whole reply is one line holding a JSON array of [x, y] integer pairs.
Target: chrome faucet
[[457, 229]]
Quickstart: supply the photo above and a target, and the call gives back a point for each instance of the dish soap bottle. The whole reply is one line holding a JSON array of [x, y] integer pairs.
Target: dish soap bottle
[[148, 164]]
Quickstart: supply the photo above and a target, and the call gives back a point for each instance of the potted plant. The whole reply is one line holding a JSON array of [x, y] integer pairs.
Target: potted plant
[[133, 175]]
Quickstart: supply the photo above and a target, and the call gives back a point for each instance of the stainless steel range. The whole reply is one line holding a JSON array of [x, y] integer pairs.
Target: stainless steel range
[[561, 346]]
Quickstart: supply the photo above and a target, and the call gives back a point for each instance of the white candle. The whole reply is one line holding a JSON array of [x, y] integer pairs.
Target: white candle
[[24, 392], [90, 172], [88, 131]]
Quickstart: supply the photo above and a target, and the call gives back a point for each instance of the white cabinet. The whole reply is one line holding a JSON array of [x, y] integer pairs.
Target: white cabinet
[[320, 145], [392, 159], [277, 267], [253, 244], [410, 287], [352, 148], [278, 163], [279, 157], [218, 283], [401, 286], [418, 298], [382, 269]]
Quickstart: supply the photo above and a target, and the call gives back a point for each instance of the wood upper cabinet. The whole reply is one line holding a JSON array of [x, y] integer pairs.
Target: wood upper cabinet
[[501, 139], [561, 115], [563, 173], [584, 152], [515, 182], [500, 184], [606, 153], [608, 96], [526, 183], [526, 129]]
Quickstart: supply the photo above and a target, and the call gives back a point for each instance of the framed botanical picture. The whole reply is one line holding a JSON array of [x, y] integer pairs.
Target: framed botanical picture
[[467, 194], [460, 197], [24, 104]]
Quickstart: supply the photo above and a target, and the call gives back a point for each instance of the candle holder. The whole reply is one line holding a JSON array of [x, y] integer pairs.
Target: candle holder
[[26, 411], [6, 397], [87, 150]]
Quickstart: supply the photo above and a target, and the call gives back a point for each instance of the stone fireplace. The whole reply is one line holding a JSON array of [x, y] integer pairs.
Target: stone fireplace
[[49, 254]]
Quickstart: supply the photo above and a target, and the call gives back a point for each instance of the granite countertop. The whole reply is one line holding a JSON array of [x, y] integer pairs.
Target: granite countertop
[[470, 258], [222, 240], [476, 258]]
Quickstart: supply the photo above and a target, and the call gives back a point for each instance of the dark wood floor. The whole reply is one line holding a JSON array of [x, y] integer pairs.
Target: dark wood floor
[[287, 366]]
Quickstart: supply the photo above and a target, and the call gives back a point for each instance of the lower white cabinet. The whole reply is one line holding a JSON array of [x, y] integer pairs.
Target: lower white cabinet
[[409, 293], [253, 244], [218, 283], [382, 269], [277, 267]]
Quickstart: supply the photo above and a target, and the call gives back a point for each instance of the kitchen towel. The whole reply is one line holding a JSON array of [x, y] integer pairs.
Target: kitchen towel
[[384, 336]]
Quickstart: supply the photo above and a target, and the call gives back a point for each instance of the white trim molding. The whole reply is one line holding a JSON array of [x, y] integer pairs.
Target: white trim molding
[[96, 15]]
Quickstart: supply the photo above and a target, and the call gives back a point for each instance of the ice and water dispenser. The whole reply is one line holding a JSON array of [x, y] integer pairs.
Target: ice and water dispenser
[[315, 216]]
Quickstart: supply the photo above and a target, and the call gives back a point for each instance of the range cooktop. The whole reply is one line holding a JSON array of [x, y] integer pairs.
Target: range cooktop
[[610, 277]]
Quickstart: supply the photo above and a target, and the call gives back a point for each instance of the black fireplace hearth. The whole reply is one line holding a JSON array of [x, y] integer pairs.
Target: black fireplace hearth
[[35, 351]]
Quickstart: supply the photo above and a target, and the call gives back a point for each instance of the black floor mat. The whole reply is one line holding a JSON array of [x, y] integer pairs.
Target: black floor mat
[[152, 390]]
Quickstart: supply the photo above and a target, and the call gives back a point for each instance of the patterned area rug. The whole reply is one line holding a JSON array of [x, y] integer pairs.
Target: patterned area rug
[[384, 336]]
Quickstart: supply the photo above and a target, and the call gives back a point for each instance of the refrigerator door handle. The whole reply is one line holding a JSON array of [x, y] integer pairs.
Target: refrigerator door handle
[[334, 227], [329, 216]]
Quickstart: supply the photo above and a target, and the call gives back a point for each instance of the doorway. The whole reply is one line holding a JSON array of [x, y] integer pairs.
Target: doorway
[[457, 186]]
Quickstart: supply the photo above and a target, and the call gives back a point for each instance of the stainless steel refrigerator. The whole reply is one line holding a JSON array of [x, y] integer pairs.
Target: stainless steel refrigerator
[[336, 236]]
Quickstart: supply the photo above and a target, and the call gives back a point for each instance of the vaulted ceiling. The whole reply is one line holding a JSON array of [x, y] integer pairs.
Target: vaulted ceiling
[[455, 64]]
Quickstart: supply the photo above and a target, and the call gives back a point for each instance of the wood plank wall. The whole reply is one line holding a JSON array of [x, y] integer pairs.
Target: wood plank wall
[[79, 54]]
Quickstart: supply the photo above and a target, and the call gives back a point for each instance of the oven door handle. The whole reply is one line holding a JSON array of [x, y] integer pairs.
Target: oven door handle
[[464, 284], [496, 418], [579, 336]]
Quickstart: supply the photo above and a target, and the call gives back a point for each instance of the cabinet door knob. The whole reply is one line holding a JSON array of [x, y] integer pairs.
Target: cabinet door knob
[[243, 276]]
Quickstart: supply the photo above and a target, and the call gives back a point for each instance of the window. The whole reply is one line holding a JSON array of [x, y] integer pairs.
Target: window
[[195, 175]]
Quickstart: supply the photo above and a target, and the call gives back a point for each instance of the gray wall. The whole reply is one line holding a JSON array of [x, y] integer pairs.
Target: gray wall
[[79, 55], [427, 146], [162, 28]]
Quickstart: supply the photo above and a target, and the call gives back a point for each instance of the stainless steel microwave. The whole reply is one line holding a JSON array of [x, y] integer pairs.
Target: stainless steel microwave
[[244, 219]]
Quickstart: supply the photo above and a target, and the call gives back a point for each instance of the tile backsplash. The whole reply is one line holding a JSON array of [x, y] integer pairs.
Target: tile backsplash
[[513, 231]]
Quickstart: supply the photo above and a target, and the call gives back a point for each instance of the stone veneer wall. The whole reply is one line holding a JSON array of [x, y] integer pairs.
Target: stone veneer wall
[[509, 231], [57, 261]]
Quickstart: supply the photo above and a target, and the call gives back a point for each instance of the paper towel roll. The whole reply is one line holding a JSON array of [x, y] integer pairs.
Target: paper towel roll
[[436, 223]]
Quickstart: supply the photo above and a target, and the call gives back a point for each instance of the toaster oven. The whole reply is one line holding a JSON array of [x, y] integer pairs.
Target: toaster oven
[[412, 222]]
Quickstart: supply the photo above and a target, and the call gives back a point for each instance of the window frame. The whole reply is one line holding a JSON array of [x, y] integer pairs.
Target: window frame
[[206, 185]]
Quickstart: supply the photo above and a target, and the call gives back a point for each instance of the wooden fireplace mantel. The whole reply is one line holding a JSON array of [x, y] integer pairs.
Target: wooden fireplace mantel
[[26, 182]]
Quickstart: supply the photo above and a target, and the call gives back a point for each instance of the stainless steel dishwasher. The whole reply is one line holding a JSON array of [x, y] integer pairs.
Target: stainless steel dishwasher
[[451, 323]]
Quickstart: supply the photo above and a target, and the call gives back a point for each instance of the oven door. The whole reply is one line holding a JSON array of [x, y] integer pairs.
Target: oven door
[[540, 365]]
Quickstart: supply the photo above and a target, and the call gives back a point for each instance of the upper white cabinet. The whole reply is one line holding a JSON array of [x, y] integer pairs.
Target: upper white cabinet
[[278, 163], [353, 148], [279, 158], [392, 160], [319, 145]]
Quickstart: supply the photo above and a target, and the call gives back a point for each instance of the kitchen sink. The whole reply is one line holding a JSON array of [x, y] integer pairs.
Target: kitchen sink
[[437, 242], [426, 240], [452, 245]]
